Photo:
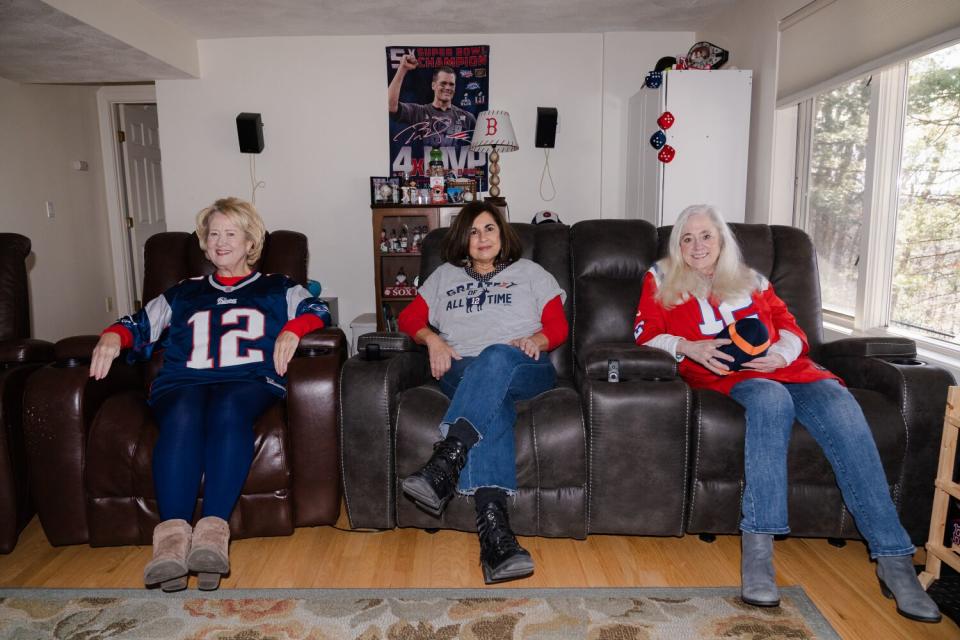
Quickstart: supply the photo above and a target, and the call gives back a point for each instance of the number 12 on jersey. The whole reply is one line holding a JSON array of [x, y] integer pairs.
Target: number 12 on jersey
[[250, 327]]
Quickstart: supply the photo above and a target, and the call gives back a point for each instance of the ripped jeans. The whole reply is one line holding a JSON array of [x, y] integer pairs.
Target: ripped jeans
[[482, 390]]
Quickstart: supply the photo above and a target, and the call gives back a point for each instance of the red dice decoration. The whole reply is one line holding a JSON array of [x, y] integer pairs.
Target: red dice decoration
[[666, 153], [666, 120]]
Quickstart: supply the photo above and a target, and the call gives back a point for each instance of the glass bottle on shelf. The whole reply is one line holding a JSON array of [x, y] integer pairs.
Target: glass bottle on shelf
[[437, 186]]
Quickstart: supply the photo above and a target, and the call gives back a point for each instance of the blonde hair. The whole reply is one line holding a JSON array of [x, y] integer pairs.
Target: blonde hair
[[241, 213], [732, 279]]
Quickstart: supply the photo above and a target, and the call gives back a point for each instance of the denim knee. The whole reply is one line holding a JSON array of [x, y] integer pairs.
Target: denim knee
[[762, 394], [499, 355]]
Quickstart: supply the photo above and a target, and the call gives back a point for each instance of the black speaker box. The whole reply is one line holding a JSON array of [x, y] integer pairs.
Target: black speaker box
[[250, 132], [546, 127]]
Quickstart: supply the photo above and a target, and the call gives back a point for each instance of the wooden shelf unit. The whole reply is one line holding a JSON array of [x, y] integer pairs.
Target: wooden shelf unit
[[386, 264], [937, 552]]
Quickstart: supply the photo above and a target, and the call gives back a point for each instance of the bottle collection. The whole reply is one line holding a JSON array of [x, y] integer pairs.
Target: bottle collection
[[403, 241]]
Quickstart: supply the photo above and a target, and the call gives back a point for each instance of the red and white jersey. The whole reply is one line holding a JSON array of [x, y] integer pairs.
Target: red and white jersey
[[700, 319]]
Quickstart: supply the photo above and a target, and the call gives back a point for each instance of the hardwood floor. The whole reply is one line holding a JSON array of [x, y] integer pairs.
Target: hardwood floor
[[840, 581]]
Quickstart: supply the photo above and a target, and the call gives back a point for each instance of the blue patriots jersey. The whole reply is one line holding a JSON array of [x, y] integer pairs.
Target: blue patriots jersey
[[211, 332]]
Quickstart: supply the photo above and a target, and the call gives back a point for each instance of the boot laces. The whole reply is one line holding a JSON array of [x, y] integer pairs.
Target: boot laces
[[447, 459], [494, 527]]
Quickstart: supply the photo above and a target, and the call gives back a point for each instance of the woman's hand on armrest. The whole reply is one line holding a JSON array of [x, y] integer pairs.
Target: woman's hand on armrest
[[104, 353]]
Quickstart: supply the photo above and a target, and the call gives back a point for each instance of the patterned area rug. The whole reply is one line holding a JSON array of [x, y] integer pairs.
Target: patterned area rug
[[405, 614]]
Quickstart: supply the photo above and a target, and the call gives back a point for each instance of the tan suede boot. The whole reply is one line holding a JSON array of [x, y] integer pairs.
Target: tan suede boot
[[209, 554], [171, 544]]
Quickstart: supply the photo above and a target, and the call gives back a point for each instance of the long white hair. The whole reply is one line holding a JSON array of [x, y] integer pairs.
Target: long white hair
[[732, 278]]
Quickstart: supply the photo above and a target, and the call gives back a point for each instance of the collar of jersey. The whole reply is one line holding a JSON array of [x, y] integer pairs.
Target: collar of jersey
[[232, 287]]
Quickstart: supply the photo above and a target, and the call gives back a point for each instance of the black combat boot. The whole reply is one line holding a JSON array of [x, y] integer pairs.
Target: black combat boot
[[433, 485], [501, 556]]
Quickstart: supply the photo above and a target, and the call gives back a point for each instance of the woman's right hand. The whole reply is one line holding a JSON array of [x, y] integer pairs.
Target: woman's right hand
[[107, 349], [442, 355], [707, 353]]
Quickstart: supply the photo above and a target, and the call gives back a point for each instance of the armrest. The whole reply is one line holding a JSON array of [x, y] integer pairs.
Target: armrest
[[60, 403], [25, 350], [369, 393], [646, 363], [881, 347], [313, 389], [388, 341], [919, 391], [326, 340]]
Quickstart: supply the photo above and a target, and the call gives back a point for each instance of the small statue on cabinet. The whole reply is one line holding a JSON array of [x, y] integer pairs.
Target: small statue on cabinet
[[401, 278], [384, 245], [404, 238], [417, 238], [394, 241]]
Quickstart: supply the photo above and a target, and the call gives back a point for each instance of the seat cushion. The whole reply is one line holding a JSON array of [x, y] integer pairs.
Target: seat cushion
[[121, 504], [551, 463]]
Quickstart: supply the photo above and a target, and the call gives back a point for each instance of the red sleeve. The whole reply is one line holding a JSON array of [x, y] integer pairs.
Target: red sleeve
[[554, 323], [126, 338], [781, 318], [303, 324], [650, 320], [415, 316]]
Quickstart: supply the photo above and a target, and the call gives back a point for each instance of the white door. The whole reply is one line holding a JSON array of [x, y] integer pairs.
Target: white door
[[140, 150]]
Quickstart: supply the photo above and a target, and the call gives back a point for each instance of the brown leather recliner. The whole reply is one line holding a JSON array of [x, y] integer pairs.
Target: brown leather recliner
[[20, 356], [90, 443]]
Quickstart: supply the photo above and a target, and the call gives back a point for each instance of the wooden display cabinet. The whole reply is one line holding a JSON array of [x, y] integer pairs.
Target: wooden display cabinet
[[395, 231]]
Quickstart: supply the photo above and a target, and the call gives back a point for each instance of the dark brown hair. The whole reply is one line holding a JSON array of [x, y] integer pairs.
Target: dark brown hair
[[456, 244], [444, 69]]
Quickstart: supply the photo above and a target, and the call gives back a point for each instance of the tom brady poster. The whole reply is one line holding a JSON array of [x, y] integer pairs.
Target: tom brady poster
[[434, 95]]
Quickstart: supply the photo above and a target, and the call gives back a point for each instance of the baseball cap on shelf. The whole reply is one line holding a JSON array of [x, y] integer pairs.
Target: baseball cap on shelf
[[749, 339], [545, 216]]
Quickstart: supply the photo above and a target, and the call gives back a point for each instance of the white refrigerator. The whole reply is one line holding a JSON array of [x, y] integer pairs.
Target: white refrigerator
[[710, 135]]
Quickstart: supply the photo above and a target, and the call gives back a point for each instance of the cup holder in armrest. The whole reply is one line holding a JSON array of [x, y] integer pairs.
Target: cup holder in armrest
[[909, 362]]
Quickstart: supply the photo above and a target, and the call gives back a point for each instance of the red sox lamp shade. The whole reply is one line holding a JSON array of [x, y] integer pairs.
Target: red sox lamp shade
[[494, 133]]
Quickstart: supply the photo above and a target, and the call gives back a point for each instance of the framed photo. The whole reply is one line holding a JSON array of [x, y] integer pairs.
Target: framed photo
[[461, 190], [384, 190]]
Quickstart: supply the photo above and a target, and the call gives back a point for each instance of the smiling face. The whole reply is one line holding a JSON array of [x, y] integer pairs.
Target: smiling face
[[227, 246], [700, 244], [484, 242], [443, 89]]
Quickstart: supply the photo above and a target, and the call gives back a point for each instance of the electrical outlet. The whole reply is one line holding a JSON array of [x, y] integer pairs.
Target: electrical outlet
[[108, 303], [51, 214]]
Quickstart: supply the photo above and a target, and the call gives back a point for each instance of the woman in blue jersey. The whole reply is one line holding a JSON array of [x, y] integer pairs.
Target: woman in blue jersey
[[227, 340]]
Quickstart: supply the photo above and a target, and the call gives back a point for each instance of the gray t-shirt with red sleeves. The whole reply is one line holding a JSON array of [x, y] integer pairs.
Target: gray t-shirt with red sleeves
[[471, 315]]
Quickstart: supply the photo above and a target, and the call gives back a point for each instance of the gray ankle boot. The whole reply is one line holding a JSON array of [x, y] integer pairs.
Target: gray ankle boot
[[757, 584], [899, 580]]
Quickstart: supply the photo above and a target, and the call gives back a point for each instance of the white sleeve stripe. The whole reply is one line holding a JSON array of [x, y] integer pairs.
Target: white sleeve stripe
[[295, 295], [159, 314], [664, 341]]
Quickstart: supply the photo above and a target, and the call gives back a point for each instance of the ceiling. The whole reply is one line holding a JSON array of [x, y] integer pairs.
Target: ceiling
[[238, 18], [40, 43]]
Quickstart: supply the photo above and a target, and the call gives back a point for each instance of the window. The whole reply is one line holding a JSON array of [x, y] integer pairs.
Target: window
[[878, 190]]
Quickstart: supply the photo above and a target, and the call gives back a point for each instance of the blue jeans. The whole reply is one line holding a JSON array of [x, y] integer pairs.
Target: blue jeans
[[834, 419], [482, 390]]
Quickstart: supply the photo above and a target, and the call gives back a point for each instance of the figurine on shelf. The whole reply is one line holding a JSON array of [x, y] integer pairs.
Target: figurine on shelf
[[394, 241], [401, 278], [384, 246], [404, 238], [417, 238]]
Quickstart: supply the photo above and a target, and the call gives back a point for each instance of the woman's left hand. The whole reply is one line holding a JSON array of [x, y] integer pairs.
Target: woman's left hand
[[283, 350], [528, 345], [766, 364]]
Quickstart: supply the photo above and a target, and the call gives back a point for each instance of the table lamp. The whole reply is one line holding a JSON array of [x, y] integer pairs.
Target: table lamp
[[494, 133]]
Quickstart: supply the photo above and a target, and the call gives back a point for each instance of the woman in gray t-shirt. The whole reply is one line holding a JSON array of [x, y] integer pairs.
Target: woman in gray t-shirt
[[487, 317]]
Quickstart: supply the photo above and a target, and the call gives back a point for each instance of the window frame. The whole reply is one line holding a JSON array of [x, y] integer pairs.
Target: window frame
[[887, 117]]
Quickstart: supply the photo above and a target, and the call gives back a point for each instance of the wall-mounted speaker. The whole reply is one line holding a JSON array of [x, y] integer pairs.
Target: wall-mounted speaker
[[250, 132], [546, 127]]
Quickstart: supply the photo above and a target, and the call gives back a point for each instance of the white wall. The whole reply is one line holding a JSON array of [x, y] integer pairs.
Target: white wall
[[323, 102], [43, 129], [749, 30], [627, 57]]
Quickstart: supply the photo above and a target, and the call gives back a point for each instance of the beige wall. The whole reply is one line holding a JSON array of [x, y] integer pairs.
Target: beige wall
[[749, 30], [43, 129]]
